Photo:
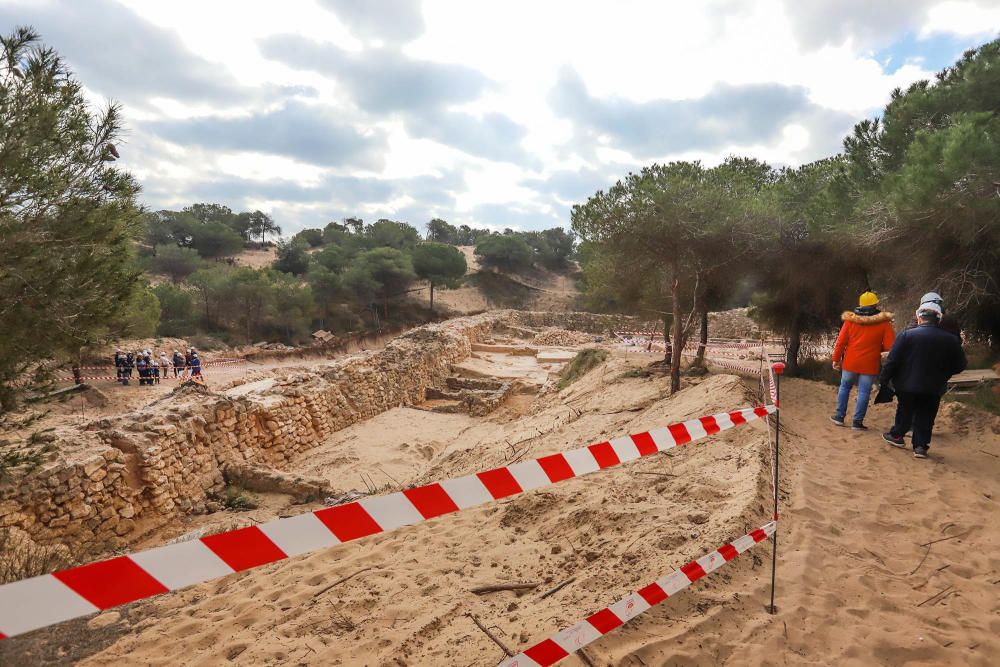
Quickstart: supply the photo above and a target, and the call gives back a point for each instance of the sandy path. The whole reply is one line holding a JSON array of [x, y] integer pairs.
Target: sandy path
[[851, 569]]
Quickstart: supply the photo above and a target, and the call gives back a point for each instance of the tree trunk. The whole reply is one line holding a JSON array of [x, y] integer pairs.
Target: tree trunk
[[794, 343], [678, 336], [666, 342], [432, 296], [703, 339]]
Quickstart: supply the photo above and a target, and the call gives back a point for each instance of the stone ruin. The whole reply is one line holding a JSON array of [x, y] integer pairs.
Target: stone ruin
[[125, 477], [476, 396]]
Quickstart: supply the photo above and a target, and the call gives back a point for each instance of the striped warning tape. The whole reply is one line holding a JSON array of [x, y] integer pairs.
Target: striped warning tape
[[207, 364], [52, 598], [725, 363], [691, 345], [70, 376], [597, 625], [772, 385], [133, 378], [726, 345]]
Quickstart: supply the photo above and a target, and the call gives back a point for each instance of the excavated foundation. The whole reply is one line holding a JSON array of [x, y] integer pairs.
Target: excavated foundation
[[124, 477]]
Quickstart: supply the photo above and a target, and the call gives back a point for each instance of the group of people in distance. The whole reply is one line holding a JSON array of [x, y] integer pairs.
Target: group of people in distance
[[151, 368], [920, 362]]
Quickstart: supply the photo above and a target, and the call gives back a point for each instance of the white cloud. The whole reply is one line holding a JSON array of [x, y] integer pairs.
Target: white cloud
[[626, 53], [978, 19]]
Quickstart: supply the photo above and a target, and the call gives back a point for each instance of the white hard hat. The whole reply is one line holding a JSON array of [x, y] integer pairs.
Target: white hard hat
[[931, 297]]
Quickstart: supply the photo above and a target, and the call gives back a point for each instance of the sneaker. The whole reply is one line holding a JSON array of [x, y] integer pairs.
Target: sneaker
[[920, 453], [839, 421], [893, 440], [858, 426]]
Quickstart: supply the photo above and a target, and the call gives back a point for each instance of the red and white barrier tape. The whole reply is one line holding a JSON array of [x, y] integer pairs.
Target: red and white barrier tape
[[724, 345], [772, 385], [691, 345], [597, 625], [69, 376], [34, 603], [207, 364], [723, 363], [133, 377]]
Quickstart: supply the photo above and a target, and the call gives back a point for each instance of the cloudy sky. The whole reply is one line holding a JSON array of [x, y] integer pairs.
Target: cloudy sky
[[498, 114]]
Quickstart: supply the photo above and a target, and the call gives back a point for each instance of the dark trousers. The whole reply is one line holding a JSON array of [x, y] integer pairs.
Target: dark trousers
[[916, 411]]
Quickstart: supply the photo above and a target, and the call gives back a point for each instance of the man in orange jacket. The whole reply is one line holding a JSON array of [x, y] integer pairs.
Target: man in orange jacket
[[866, 334]]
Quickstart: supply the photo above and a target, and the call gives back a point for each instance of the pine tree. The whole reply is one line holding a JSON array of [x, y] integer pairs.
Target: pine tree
[[67, 216]]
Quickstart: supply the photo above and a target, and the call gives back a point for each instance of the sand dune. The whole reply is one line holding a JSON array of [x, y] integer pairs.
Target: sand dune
[[855, 586]]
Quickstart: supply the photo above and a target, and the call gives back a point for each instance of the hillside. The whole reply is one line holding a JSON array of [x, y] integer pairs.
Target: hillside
[[483, 289]]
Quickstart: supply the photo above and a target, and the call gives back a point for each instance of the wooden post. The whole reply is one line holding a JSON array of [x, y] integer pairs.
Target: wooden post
[[778, 369]]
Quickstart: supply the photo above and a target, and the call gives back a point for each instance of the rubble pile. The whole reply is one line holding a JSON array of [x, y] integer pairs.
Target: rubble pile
[[562, 338]]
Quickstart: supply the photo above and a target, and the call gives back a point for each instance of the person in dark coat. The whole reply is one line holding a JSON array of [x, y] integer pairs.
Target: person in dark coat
[[178, 363], [129, 364], [119, 363], [920, 363], [140, 366], [948, 322]]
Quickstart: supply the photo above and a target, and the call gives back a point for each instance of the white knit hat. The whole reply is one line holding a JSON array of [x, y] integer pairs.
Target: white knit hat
[[929, 307]]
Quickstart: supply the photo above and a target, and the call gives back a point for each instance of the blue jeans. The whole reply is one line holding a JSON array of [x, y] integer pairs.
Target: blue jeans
[[847, 381]]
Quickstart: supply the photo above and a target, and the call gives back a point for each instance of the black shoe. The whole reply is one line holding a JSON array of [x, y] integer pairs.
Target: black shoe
[[920, 453], [893, 440], [858, 426], [837, 420]]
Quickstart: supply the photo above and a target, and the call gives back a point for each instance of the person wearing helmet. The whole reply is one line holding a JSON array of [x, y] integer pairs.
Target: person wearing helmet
[[178, 363], [866, 333], [919, 365], [948, 322], [142, 368]]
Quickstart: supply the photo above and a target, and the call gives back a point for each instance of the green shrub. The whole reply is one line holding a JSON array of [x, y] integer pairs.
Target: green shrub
[[235, 497], [509, 253], [584, 362]]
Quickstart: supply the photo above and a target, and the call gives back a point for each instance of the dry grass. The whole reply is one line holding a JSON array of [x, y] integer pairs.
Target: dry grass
[[20, 557]]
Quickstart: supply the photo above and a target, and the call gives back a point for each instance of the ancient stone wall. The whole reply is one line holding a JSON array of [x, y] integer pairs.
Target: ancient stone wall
[[128, 475], [123, 477]]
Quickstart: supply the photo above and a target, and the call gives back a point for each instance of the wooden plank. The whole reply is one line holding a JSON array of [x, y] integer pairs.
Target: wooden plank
[[975, 376]]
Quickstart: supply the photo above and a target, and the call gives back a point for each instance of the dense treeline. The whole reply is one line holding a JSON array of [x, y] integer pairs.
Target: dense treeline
[[911, 205], [344, 277]]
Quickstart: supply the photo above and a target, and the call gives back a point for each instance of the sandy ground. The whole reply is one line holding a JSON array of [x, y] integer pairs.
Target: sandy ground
[[554, 292], [257, 259], [883, 559]]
